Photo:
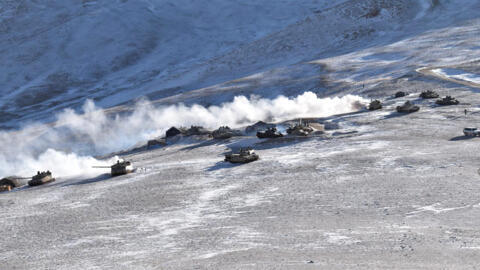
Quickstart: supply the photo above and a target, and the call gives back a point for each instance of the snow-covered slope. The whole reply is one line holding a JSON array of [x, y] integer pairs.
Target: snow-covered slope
[[57, 53]]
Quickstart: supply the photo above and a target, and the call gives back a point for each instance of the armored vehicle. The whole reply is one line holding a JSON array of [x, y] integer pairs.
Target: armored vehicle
[[119, 168], [245, 155], [407, 108], [269, 133], [13, 181], [300, 130], [429, 94], [41, 178], [225, 133], [448, 100], [375, 105], [471, 132], [400, 94]]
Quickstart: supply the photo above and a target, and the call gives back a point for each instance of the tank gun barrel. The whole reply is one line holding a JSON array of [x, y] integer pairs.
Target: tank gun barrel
[[101, 167]]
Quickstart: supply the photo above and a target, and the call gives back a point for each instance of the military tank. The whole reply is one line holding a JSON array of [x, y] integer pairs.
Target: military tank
[[225, 132], [408, 107], [400, 94], [119, 168], [41, 178], [429, 94], [448, 100], [269, 133], [300, 130], [13, 181], [375, 105], [245, 155]]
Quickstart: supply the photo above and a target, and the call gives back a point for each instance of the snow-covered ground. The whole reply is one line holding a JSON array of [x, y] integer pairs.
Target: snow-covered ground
[[381, 191]]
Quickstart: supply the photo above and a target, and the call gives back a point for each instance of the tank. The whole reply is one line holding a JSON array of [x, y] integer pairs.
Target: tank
[[245, 155], [225, 132], [400, 94], [119, 168], [13, 181], [429, 94], [300, 130], [407, 108], [448, 100], [375, 105], [269, 133], [41, 178]]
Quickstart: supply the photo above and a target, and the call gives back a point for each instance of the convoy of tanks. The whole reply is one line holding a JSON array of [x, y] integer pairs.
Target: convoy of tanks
[[245, 155]]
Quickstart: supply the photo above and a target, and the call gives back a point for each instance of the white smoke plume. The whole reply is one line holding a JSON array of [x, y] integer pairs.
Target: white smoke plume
[[66, 146]]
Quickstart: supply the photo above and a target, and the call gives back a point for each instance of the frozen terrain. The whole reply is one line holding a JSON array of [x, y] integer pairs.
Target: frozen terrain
[[379, 190]]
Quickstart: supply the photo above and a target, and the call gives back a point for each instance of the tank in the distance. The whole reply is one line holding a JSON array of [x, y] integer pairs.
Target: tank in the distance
[[429, 94], [375, 105], [407, 107], [448, 100], [41, 178], [245, 155], [269, 133], [121, 168]]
